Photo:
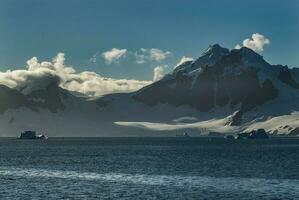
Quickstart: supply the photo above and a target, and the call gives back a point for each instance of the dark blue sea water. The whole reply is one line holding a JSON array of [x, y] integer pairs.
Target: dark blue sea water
[[149, 168]]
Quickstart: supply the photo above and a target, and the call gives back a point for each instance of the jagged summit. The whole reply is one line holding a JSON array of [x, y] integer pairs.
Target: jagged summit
[[215, 49], [210, 56], [250, 56], [245, 51], [218, 55]]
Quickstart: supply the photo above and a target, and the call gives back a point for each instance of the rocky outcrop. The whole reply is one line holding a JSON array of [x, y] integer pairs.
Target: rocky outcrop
[[294, 132], [255, 134]]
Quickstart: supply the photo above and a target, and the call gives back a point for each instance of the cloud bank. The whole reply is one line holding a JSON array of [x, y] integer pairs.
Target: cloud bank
[[40, 74], [256, 42]]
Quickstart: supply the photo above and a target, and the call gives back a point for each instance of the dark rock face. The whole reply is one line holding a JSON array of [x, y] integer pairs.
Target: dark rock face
[[259, 134], [294, 132], [243, 135], [229, 81], [102, 103], [51, 96], [12, 99], [258, 96], [255, 134], [285, 76], [210, 57], [230, 137], [237, 118]]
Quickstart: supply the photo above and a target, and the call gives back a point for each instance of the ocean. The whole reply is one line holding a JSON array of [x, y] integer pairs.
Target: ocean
[[149, 168]]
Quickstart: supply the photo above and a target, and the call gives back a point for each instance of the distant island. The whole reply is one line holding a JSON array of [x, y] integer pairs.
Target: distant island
[[32, 135]]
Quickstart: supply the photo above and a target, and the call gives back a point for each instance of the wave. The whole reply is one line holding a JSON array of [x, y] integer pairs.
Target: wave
[[204, 182]]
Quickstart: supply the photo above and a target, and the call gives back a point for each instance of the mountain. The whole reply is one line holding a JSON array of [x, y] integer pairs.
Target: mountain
[[238, 80], [218, 78], [222, 91]]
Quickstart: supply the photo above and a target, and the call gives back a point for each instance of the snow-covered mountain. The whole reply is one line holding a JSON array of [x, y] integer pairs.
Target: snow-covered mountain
[[238, 79], [223, 91]]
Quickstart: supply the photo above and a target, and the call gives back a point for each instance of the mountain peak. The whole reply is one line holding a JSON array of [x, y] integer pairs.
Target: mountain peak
[[216, 48], [250, 56], [248, 51], [210, 56]]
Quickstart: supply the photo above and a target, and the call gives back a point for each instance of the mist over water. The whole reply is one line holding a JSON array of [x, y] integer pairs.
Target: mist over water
[[149, 168]]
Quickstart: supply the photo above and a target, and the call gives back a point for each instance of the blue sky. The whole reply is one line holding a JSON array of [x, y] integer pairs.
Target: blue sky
[[85, 29]]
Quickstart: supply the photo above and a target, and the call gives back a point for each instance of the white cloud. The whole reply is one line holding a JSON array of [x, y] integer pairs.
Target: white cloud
[[94, 58], [114, 55], [158, 54], [256, 42], [140, 56], [183, 60], [93, 84], [150, 55], [159, 72], [40, 74], [238, 46]]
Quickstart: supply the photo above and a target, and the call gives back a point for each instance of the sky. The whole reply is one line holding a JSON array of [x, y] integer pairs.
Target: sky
[[142, 39]]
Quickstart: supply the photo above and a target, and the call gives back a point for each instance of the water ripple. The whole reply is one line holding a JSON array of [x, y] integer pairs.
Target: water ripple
[[219, 183]]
